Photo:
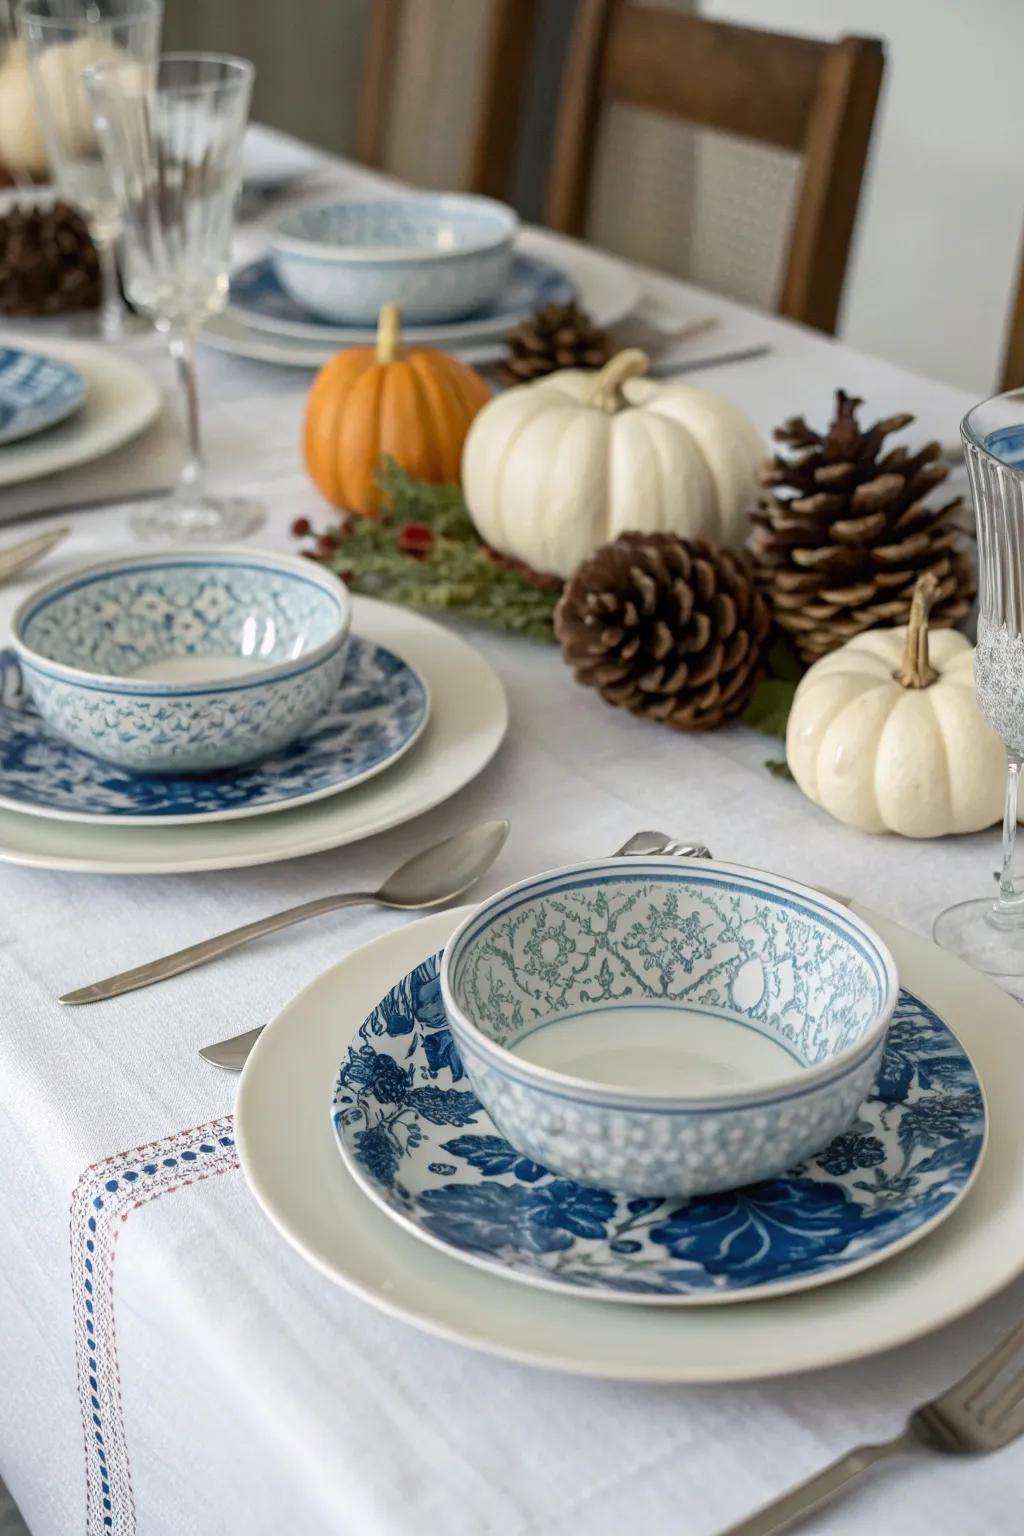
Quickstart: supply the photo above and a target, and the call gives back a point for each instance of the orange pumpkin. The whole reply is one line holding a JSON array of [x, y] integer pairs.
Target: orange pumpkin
[[371, 401]]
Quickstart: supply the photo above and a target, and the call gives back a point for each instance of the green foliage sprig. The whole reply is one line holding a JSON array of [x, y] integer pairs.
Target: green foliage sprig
[[424, 552]]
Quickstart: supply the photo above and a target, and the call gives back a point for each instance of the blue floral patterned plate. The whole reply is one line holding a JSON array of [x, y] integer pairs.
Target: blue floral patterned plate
[[417, 1140], [35, 393], [258, 299], [380, 709]]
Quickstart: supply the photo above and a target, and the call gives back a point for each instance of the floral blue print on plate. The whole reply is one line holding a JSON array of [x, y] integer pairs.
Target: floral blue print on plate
[[35, 393], [380, 709], [416, 1138]]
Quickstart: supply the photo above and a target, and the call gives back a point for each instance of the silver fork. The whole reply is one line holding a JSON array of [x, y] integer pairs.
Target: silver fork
[[983, 1412]]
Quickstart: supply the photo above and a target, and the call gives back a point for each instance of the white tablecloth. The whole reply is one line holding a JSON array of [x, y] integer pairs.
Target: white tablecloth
[[254, 1396]]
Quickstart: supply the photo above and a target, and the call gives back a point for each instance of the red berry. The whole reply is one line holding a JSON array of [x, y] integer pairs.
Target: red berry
[[415, 539], [301, 527], [325, 545]]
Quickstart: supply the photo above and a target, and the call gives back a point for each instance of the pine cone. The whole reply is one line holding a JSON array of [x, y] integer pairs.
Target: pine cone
[[48, 262], [557, 336], [842, 536], [665, 627]]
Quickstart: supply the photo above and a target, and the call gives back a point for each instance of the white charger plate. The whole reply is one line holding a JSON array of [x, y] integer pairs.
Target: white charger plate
[[468, 718], [605, 288], [288, 1154], [120, 402]]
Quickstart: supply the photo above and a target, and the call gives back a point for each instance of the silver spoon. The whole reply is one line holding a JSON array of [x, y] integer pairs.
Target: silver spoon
[[430, 879], [231, 1054]]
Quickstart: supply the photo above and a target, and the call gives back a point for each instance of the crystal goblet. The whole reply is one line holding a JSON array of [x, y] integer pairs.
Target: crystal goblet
[[172, 147], [990, 933], [62, 38]]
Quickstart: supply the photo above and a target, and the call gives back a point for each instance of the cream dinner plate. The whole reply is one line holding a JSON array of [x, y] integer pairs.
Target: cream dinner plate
[[286, 1144], [468, 717], [120, 402], [606, 288]]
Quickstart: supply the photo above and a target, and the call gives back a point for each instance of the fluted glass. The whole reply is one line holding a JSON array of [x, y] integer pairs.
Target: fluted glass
[[62, 38], [173, 149], [990, 933]]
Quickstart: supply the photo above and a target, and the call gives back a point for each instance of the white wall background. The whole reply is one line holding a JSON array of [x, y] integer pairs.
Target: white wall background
[[938, 238]]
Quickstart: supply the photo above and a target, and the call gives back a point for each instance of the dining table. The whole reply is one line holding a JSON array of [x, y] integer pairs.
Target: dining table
[[185, 1373]]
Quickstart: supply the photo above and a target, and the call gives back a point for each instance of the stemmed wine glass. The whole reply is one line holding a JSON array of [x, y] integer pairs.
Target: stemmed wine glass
[[61, 38], [172, 146], [990, 934]]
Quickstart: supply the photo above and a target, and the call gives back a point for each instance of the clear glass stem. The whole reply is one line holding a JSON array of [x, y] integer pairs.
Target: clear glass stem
[[111, 303], [182, 348], [1008, 903]]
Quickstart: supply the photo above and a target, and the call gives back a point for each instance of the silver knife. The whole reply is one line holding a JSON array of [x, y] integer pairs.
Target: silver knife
[[665, 368], [18, 557]]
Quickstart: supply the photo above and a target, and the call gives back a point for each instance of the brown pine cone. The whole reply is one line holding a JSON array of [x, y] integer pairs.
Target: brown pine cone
[[557, 336], [665, 627], [48, 262], [842, 536]]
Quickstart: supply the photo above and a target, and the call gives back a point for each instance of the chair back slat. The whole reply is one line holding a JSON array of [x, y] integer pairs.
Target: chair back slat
[[794, 96], [760, 85], [443, 89]]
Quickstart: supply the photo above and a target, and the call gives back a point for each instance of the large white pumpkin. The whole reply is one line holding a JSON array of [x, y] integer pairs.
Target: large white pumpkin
[[886, 736], [553, 470]]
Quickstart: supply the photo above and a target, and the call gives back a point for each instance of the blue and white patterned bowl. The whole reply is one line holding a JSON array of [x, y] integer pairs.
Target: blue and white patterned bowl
[[181, 662], [423, 1147], [667, 1027], [438, 257]]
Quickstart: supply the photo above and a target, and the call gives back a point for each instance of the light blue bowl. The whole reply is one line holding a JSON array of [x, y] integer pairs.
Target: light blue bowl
[[438, 257], [661, 1026], [185, 663]]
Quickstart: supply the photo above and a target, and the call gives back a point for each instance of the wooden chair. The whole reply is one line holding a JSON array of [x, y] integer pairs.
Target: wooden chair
[[1013, 357], [502, 73], [797, 94]]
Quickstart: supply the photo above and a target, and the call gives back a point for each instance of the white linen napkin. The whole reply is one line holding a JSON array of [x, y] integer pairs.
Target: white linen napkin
[[147, 464]]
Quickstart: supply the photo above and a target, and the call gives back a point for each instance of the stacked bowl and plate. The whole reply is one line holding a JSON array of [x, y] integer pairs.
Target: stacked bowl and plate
[[661, 1080]]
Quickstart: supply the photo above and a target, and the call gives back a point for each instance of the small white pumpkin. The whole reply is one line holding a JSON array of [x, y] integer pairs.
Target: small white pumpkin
[[553, 470], [886, 736]]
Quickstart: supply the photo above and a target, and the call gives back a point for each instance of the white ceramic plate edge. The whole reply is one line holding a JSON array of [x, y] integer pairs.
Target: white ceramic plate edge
[[918, 1292], [120, 402], [467, 724], [198, 818]]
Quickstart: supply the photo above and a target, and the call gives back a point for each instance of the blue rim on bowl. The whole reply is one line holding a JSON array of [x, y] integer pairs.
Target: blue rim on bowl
[[37, 601], [691, 1026], [437, 258], [307, 231], [702, 872], [184, 661]]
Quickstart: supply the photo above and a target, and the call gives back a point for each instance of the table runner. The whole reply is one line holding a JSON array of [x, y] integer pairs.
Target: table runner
[[236, 1388]]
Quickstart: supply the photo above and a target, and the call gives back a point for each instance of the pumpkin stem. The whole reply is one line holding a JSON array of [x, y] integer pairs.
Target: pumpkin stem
[[387, 334], [606, 392], [915, 670]]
